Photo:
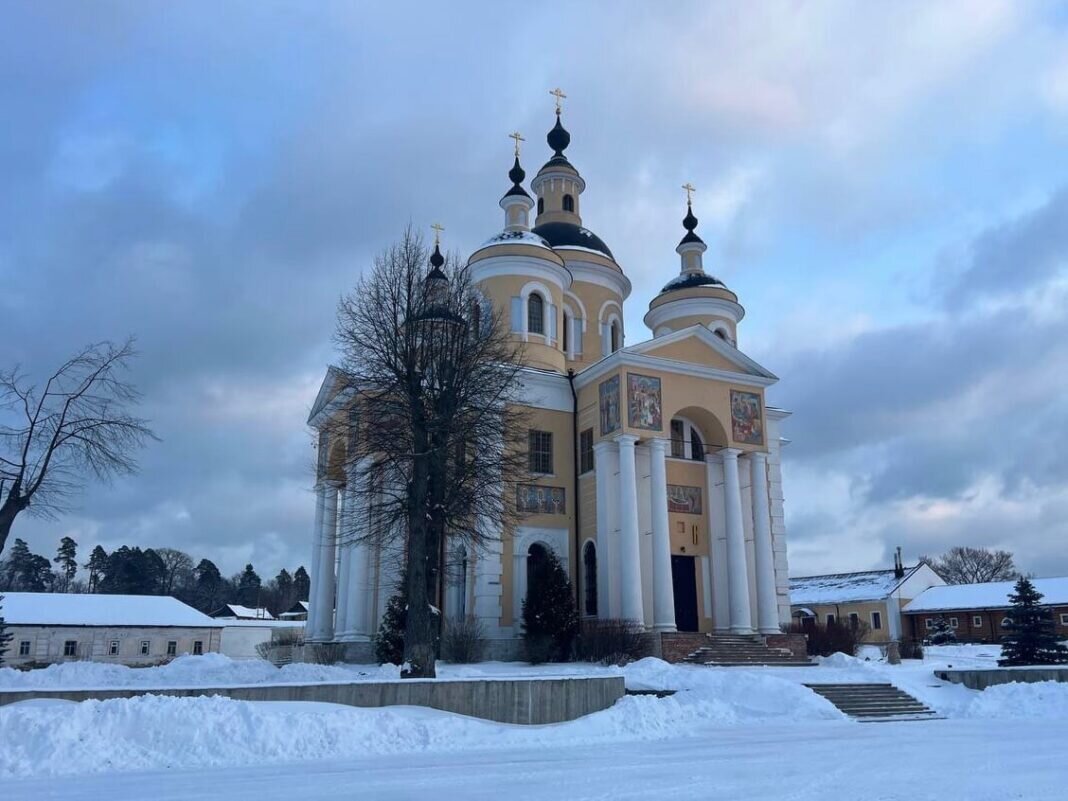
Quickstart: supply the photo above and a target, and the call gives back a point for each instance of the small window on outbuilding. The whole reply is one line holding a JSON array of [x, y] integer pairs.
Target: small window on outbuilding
[[569, 203], [70, 648], [977, 620], [830, 619], [198, 647], [953, 622], [876, 621], [1064, 618], [24, 648], [535, 314], [146, 647], [113, 648], [172, 647]]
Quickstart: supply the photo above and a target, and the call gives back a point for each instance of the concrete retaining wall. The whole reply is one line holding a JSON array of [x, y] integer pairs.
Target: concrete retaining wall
[[534, 701], [981, 679]]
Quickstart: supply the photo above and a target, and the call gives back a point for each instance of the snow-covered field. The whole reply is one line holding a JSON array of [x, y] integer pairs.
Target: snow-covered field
[[728, 733]]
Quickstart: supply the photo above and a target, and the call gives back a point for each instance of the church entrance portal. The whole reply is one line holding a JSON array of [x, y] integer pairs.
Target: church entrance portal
[[684, 581]]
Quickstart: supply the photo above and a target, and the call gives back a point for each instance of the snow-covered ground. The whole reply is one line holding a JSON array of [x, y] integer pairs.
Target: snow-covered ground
[[728, 733]]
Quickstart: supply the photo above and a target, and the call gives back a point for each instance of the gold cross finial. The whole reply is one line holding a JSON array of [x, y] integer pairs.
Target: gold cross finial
[[689, 192], [438, 228], [558, 93], [518, 138]]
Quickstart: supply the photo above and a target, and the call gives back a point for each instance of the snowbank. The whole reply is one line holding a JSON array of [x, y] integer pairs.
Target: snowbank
[[155, 732]]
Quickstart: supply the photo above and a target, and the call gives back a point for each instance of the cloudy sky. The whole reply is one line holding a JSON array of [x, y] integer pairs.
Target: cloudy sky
[[885, 186]]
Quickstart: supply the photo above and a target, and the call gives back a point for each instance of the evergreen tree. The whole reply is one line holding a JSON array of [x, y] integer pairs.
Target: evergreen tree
[[1031, 639], [209, 584], [67, 559], [131, 571], [301, 584], [5, 635], [389, 642], [98, 561], [25, 571], [283, 592], [248, 587], [943, 633], [550, 621]]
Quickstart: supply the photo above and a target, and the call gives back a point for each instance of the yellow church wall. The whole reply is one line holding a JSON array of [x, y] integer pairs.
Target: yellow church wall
[[538, 353], [695, 352], [593, 297], [709, 321]]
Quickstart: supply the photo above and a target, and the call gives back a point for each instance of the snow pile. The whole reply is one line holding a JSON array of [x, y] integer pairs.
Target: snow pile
[[156, 732], [1019, 700], [209, 670]]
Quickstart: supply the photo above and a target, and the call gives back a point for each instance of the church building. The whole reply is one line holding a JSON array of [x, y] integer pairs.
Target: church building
[[654, 461]]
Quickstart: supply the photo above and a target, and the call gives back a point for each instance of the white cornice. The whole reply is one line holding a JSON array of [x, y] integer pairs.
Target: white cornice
[[702, 334], [330, 398], [526, 266], [592, 273], [544, 390], [693, 307], [629, 358]]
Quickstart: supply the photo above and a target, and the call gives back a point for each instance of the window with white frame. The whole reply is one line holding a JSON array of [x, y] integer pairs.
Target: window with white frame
[[540, 445], [876, 621], [1064, 618], [535, 314], [70, 648], [953, 622], [928, 623], [146, 647], [977, 620], [113, 648], [24, 648], [1006, 622]]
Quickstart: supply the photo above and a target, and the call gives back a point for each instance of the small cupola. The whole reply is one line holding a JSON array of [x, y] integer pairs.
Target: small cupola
[[558, 184], [694, 297], [516, 202]]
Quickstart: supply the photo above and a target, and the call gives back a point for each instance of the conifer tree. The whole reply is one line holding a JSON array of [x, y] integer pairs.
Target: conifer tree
[[67, 559], [943, 633], [1031, 639], [5, 635], [248, 587], [389, 642], [98, 562], [301, 583], [550, 621]]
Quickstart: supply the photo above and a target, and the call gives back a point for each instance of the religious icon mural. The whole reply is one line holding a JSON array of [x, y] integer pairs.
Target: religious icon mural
[[535, 499], [747, 425], [643, 402], [609, 397], [684, 500]]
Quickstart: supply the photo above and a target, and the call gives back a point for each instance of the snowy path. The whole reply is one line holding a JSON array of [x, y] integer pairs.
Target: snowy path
[[977, 760]]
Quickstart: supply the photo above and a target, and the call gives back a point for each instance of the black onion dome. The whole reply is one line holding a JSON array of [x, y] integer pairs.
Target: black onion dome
[[689, 280], [689, 222], [565, 234], [436, 261], [516, 174], [558, 137]]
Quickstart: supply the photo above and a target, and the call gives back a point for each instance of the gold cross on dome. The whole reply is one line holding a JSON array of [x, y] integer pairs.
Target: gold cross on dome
[[518, 138], [690, 189], [558, 93], [438, 228]]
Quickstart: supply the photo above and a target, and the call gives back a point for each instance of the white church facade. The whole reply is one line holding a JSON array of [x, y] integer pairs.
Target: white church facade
[[654, 467]]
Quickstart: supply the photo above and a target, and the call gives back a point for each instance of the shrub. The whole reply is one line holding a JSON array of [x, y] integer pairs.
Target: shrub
[[550, 621], [610, 641], [389, 641], [1032, 638], [327, 653], [943, 633], [463, 641], [911, 649], [837, 637]]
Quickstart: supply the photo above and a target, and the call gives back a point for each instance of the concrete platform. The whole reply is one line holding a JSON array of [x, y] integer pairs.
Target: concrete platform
[[520, 700], [987, 677]]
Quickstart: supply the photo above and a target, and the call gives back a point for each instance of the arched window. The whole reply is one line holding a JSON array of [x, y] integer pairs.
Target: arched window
[[697, 448], [541, 205], [589, 578], [614, 335], [719, 332], [535, 314], [569, 203], [567, 333], [537, 557]]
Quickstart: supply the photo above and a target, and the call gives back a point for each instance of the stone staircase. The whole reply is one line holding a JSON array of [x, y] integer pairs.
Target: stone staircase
[[874, 702], [739, 650]]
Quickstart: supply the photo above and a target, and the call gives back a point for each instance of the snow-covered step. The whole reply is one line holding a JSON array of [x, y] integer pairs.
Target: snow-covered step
[[874, 702], [741, 650]]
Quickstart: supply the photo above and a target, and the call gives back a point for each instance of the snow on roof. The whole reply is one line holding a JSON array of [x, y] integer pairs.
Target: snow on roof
[[991, 595], [233, 623], [77, 609], [870, 585], [246, 612]]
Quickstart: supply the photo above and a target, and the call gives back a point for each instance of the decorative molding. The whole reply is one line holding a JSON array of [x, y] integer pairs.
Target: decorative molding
[[693, 307], [629, 358], [516, 266], [699, 332]]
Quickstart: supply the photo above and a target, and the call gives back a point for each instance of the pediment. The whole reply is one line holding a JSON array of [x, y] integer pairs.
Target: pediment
[[698, 346]]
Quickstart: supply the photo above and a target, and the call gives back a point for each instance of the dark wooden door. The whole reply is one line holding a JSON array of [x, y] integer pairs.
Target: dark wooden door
[[684, 580]]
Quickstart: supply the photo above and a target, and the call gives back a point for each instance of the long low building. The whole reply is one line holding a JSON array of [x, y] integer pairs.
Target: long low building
[[133, 630], [979, 612]]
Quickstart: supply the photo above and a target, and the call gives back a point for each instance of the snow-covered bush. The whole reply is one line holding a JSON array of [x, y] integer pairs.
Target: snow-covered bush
[[610, 641], [463, 641], [943, 633]]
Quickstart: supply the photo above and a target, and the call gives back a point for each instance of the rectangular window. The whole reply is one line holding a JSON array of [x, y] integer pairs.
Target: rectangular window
[[586, 451], [113, 648], [146, 647], [540, 444], [70, 648], [830, 620], [198, 647], [953, 622], [977, 621], [678, 440], [24, 648], [928, 623], [876, 621], [854, 620], [1064, 618], [172, 647]]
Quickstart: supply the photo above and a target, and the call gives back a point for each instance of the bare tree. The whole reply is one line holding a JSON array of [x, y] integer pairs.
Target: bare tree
[[965, 565], [432, 428], [76, 425], [177, 569]]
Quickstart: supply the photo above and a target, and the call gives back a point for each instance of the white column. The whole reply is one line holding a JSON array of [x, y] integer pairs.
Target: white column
[[352, 602], [663, 586], [344, 571], [324, 593], [767, 601], [317, 545], [717, 543], [630, 548], [603, 477], [741, 617]]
